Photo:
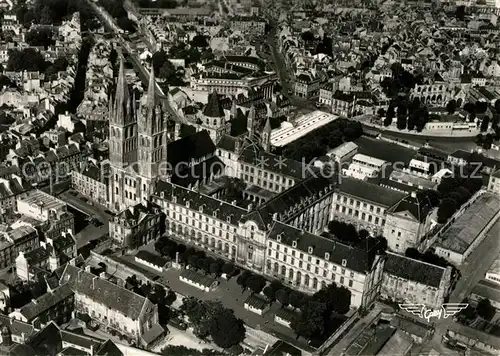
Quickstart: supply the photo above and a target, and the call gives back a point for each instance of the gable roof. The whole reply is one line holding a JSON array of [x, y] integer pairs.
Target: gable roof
[[413, 270], [418, 208], [369, 192], [104, 292]]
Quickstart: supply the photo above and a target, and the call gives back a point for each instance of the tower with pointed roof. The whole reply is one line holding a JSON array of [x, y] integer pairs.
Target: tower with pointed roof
[[152, 133], [213, 118], [251, 122], [122, 124], [266, 136]]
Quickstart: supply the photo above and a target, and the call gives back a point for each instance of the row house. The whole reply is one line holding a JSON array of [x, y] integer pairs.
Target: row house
[[20, 239], [254, 25], [307, 85], [91, 180]]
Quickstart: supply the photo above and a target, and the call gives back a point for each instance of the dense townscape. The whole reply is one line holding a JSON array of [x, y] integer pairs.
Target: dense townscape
[[241, 177]]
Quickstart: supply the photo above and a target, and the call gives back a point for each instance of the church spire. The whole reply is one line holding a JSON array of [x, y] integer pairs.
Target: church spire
[[150, 104], [266, 135], [121, 94]]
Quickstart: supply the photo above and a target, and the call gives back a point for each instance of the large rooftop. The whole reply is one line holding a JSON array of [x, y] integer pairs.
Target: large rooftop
[[462, 233], [43, 200], [289, 132]]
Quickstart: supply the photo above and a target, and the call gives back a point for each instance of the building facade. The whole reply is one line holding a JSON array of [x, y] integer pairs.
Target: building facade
[[407, 280]]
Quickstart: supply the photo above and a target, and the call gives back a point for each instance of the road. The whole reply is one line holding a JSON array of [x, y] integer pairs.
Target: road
[[473, 270], [283, 71], [110, 23]]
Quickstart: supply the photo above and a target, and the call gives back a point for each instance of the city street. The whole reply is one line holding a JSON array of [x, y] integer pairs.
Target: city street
[[472, 271], [89, 232]]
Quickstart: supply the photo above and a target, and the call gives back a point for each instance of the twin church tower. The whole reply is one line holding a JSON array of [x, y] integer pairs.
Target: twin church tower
[[137, 143]]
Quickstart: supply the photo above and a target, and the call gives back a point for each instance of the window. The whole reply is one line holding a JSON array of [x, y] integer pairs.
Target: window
[[350, 283], [341, 280]]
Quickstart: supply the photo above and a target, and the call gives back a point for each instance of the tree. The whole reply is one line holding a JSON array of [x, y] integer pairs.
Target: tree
[[479, 140], [485, 122], [215, 268], [255, 283], [225, 329], [194, 309], [296, 299], [446, 209], [199, 41], [193, 260], [27, 59], [451, 106], [242, 279], [282, 297], [269, 292], [497, 106], [470, 108], [228, 269], [401, 122], [485, 310], [311, 321], [40, 37], [389, 115], [481, 107], [381, 113]]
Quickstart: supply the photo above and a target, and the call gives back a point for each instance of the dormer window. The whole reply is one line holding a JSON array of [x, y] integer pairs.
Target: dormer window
[[187, 204], [344, 262], [162, 195], [294, 244], [278, 238], [327, 256], [214, 214], [201, 209], [228, 219], [310, 249], [174, 199]]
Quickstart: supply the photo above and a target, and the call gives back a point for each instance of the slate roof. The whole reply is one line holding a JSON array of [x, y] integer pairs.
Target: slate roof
[[197, 277], [213, 107], [109, 349], [256, 302], [305, 193], [418, 208], [104, 292], [37, 255], [33, 309], [48, 341], [264, 160], [190, 148], [357, 259], [17, 327], [212, 206], [227, 143], [413, 270], [369, 192]]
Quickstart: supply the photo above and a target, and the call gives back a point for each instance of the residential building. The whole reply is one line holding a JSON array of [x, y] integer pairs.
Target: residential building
[[407, 280], [92, 181], [343, 103], [21, 239], [137, 225], [113, 306], [54, 306], [343, 153], [254, 25], [307, 85]]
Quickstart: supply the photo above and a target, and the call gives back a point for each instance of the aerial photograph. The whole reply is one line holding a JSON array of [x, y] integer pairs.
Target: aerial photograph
[[249, 177]]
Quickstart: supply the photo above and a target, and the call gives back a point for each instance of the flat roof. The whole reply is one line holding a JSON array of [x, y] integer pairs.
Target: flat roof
[[42, 199], [462, 233], [495, 267], [289, 132], [487, 289]]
